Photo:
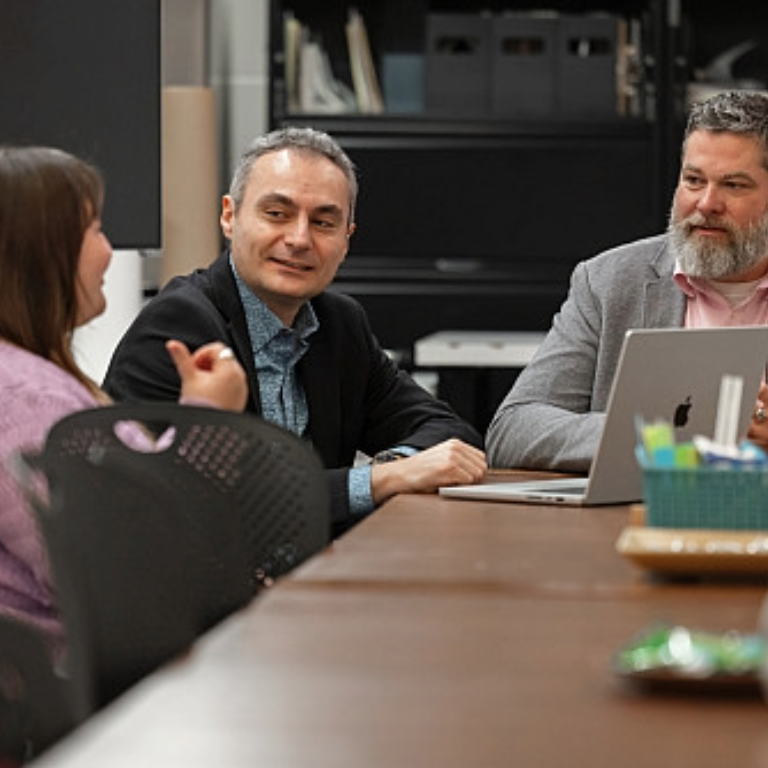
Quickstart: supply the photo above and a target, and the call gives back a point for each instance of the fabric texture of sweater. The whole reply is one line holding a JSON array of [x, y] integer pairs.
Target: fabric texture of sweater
[[34, 394]]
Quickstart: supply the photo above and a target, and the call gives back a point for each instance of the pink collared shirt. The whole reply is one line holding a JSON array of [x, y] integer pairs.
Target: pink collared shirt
[[706, 307]]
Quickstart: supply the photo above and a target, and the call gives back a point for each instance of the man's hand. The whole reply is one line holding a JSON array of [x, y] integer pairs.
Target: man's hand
[[211, 374], [758, 427], [452, 462]]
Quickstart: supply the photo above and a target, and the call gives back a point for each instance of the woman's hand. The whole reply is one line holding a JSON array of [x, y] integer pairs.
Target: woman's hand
[[212, 374]]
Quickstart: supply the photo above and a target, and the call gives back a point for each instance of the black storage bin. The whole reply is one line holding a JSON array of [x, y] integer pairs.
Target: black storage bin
[[523, 75], [586, 66], [457, 68]]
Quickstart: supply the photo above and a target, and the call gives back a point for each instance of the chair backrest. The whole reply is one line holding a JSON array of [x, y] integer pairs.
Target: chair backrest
[[151, 543], [35, 710]]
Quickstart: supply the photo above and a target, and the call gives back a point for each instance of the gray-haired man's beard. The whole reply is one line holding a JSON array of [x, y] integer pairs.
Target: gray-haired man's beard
[[714, 259]]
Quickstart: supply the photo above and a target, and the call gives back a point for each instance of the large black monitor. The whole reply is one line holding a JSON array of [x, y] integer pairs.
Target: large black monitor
[[85, 75]]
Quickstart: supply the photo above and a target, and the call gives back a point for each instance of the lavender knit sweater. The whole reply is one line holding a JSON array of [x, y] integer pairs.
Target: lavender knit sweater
[[34, 394]]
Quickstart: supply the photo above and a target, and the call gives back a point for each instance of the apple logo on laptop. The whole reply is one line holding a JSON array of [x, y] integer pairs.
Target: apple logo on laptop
[[680, 418]]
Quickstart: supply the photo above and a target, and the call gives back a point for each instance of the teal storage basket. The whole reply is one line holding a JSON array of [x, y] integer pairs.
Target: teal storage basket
[[704, 497]]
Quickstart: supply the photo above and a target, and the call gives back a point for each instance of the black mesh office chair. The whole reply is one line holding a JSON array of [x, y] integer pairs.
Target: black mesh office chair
[[151, 548], [35, 710]]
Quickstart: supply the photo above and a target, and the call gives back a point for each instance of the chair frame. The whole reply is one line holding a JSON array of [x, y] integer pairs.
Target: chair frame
[[151, 545]]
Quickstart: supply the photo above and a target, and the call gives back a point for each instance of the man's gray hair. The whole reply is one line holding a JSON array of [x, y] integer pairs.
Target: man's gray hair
[[307, 140], [741, 112]]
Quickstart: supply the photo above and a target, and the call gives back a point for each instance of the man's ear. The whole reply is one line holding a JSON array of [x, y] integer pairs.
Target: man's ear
[[227, 215]]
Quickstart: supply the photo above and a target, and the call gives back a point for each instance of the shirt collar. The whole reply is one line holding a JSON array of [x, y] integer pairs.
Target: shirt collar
[[263, 324], [691, 286]]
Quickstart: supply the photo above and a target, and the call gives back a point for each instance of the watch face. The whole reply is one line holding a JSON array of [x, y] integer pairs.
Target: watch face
[[382, 457]]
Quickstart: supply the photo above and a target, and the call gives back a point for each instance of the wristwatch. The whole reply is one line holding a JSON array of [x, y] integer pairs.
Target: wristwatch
[[382, 457]]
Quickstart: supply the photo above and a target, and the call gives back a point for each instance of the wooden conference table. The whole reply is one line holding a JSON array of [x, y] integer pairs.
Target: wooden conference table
[[441, 633]]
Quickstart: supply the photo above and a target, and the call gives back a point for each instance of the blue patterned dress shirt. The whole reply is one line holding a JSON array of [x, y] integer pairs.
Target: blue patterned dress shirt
[[276, 352]]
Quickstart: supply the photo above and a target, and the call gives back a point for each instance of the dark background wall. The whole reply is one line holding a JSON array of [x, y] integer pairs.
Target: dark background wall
[[84, 75]]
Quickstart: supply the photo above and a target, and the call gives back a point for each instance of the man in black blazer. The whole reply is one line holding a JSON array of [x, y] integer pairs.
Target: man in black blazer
[[313, 363]]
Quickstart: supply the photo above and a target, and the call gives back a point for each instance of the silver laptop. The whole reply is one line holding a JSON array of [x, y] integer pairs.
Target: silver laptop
[[667, 373]]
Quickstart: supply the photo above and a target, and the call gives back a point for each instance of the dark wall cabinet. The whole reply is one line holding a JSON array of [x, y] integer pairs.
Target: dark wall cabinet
[[512, 144]]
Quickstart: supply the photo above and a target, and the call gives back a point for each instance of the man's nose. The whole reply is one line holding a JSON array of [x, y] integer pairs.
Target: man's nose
[[710, 200], [297, 234]]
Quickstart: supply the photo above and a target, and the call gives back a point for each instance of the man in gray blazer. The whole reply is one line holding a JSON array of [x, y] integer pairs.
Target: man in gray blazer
[[708, 269]]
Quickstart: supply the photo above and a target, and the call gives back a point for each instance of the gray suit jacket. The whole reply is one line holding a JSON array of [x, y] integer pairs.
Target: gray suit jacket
[[553, 416]]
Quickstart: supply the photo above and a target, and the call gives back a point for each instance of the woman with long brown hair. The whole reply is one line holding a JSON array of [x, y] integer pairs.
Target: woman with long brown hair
[[53, 256]]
